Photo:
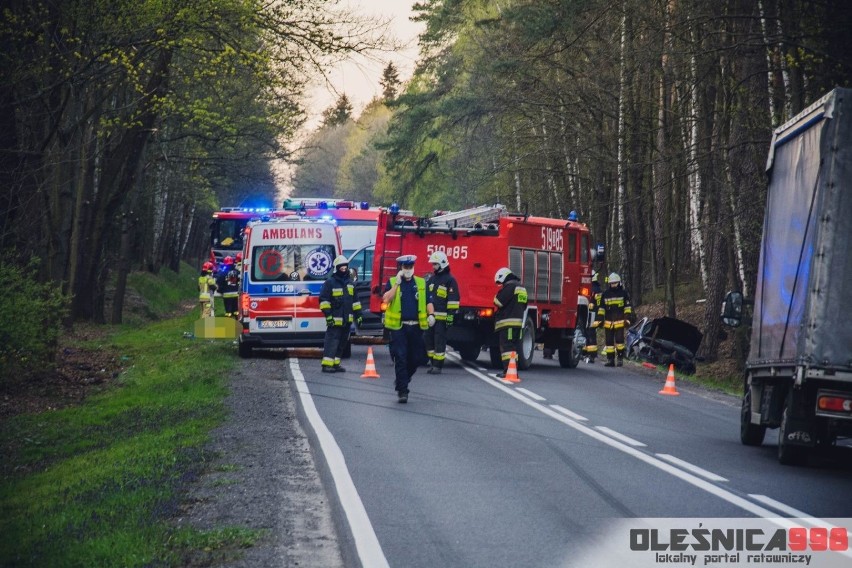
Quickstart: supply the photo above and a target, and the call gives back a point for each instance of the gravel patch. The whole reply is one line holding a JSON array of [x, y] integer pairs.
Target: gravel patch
[[264, 476]]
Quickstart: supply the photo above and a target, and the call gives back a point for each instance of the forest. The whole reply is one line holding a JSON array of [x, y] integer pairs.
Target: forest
[[126, 124]]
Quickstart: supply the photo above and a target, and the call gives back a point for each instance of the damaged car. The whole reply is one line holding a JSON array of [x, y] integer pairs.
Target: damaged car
[[663, 341]]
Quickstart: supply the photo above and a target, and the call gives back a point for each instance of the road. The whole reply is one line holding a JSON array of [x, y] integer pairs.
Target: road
[[476, 472]]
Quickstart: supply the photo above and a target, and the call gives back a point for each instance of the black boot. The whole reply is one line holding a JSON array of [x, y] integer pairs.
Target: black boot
[[619, 362], [609, 362]]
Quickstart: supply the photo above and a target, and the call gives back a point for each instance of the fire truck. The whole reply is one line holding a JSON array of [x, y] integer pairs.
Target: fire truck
[[552, 257], [285, 262]]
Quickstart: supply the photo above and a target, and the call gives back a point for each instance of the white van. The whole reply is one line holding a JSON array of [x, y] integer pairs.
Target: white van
[[285, 262]]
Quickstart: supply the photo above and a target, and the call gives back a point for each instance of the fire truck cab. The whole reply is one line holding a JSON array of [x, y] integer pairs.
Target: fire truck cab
[[285, 262], [552, 257]]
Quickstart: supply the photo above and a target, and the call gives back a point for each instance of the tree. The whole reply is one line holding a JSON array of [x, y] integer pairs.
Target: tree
[[339, 113], [390, 82]]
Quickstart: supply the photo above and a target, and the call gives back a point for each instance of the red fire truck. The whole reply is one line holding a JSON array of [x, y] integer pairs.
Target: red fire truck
[[552, 257]]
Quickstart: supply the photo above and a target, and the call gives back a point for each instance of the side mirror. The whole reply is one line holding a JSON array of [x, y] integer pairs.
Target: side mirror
[[732, 309]]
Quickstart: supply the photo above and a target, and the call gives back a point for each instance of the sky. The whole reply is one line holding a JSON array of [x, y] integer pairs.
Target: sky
[[359, 78]]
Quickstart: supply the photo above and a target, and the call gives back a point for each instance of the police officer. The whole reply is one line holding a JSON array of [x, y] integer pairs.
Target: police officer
[[341, 308], [615, 311], [228, 284], [206, 288], [591, 348], [442, 304], [511, 303], [405, 320]]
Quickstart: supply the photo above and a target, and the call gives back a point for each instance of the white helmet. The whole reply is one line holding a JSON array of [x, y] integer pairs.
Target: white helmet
[[339, 261], [614, 278], [440, 258], [501, 275]]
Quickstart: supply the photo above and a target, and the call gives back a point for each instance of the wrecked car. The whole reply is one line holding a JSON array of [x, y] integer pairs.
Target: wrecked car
[[663, 341]]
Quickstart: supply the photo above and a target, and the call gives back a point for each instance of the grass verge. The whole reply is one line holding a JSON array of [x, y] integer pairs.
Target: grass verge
[[96, 484]]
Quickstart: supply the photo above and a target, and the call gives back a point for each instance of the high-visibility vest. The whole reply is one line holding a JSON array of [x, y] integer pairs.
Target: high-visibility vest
[[393, 315]]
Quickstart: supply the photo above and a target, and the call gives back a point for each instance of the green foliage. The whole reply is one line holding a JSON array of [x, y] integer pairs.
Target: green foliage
[[163, 293], [34, 312], [95, 485]]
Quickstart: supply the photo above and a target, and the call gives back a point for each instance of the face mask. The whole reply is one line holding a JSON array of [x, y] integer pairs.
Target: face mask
[[408, 272]]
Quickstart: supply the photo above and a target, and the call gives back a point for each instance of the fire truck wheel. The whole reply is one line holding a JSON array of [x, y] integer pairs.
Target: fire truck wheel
[[245, 350], [569, 358], [525, 357], [469, 351]]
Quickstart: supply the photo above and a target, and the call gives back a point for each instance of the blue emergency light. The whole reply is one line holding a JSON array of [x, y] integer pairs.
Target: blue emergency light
[[394, 208]]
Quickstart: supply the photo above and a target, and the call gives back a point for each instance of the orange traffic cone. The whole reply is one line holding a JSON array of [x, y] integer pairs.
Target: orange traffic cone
[[370, 368], [670, 388], [512, 371]]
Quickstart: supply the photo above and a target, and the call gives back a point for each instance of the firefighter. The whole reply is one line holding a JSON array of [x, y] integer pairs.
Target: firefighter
[[206, 288], [442, 303], [511, 303], [228, 284], [341, 309], [591, 348], [615, 312], [406, 319]]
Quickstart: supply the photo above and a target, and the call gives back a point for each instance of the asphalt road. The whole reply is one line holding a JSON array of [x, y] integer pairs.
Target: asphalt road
[[476, 472]]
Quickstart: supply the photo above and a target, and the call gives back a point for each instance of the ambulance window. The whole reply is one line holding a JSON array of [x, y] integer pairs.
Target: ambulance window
[[542, 276], [275, 263], [528, 275], [584, 248], [515, 260], [572, 247], [556, 277]]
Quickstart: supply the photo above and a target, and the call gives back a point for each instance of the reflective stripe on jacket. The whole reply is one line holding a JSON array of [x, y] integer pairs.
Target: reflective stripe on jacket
[[337, 299], [443, 294], [393, 315], [511, 302]]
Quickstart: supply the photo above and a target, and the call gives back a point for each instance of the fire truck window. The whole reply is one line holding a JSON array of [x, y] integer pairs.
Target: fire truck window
[[515, 260], [542, 276], [584, 248], [528, 274], [556, 277], [572, 247]]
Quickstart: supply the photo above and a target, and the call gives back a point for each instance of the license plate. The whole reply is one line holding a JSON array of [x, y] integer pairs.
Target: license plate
[[274, 324]]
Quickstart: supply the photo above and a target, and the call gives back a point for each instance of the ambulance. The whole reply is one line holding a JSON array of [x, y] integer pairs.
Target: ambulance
[[285, 262], [552, 257]]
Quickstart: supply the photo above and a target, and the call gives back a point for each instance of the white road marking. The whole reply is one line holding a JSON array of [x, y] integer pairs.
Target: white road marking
[[786, 509], [620, 436], [366, 543], [530, 394], [568, 413], [693, 468], [653, 461]]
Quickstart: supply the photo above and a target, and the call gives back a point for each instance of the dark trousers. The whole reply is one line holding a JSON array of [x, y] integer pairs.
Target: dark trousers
[[408, 352], [230, 305], [334, 345], [436, 343], [591, 348], [510, 340], [614, 343]]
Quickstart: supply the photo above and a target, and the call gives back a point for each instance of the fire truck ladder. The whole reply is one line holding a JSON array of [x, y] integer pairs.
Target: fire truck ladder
[[469, 217]]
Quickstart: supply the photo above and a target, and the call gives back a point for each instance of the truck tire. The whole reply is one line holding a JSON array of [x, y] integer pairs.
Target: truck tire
[[750, 434], [469, 351], [570, 355], [789, 454], [525, 357], [244, 349]]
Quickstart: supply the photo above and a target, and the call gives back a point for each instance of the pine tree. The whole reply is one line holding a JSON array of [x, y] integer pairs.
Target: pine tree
[[390, 82]]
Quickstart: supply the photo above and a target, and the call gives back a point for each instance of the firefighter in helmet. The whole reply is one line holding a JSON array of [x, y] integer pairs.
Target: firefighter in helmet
[[591, 348], [206, 288], [615, 312], [406, 319], [511, 303], [442, 303], [228, 284], [341, 309]]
